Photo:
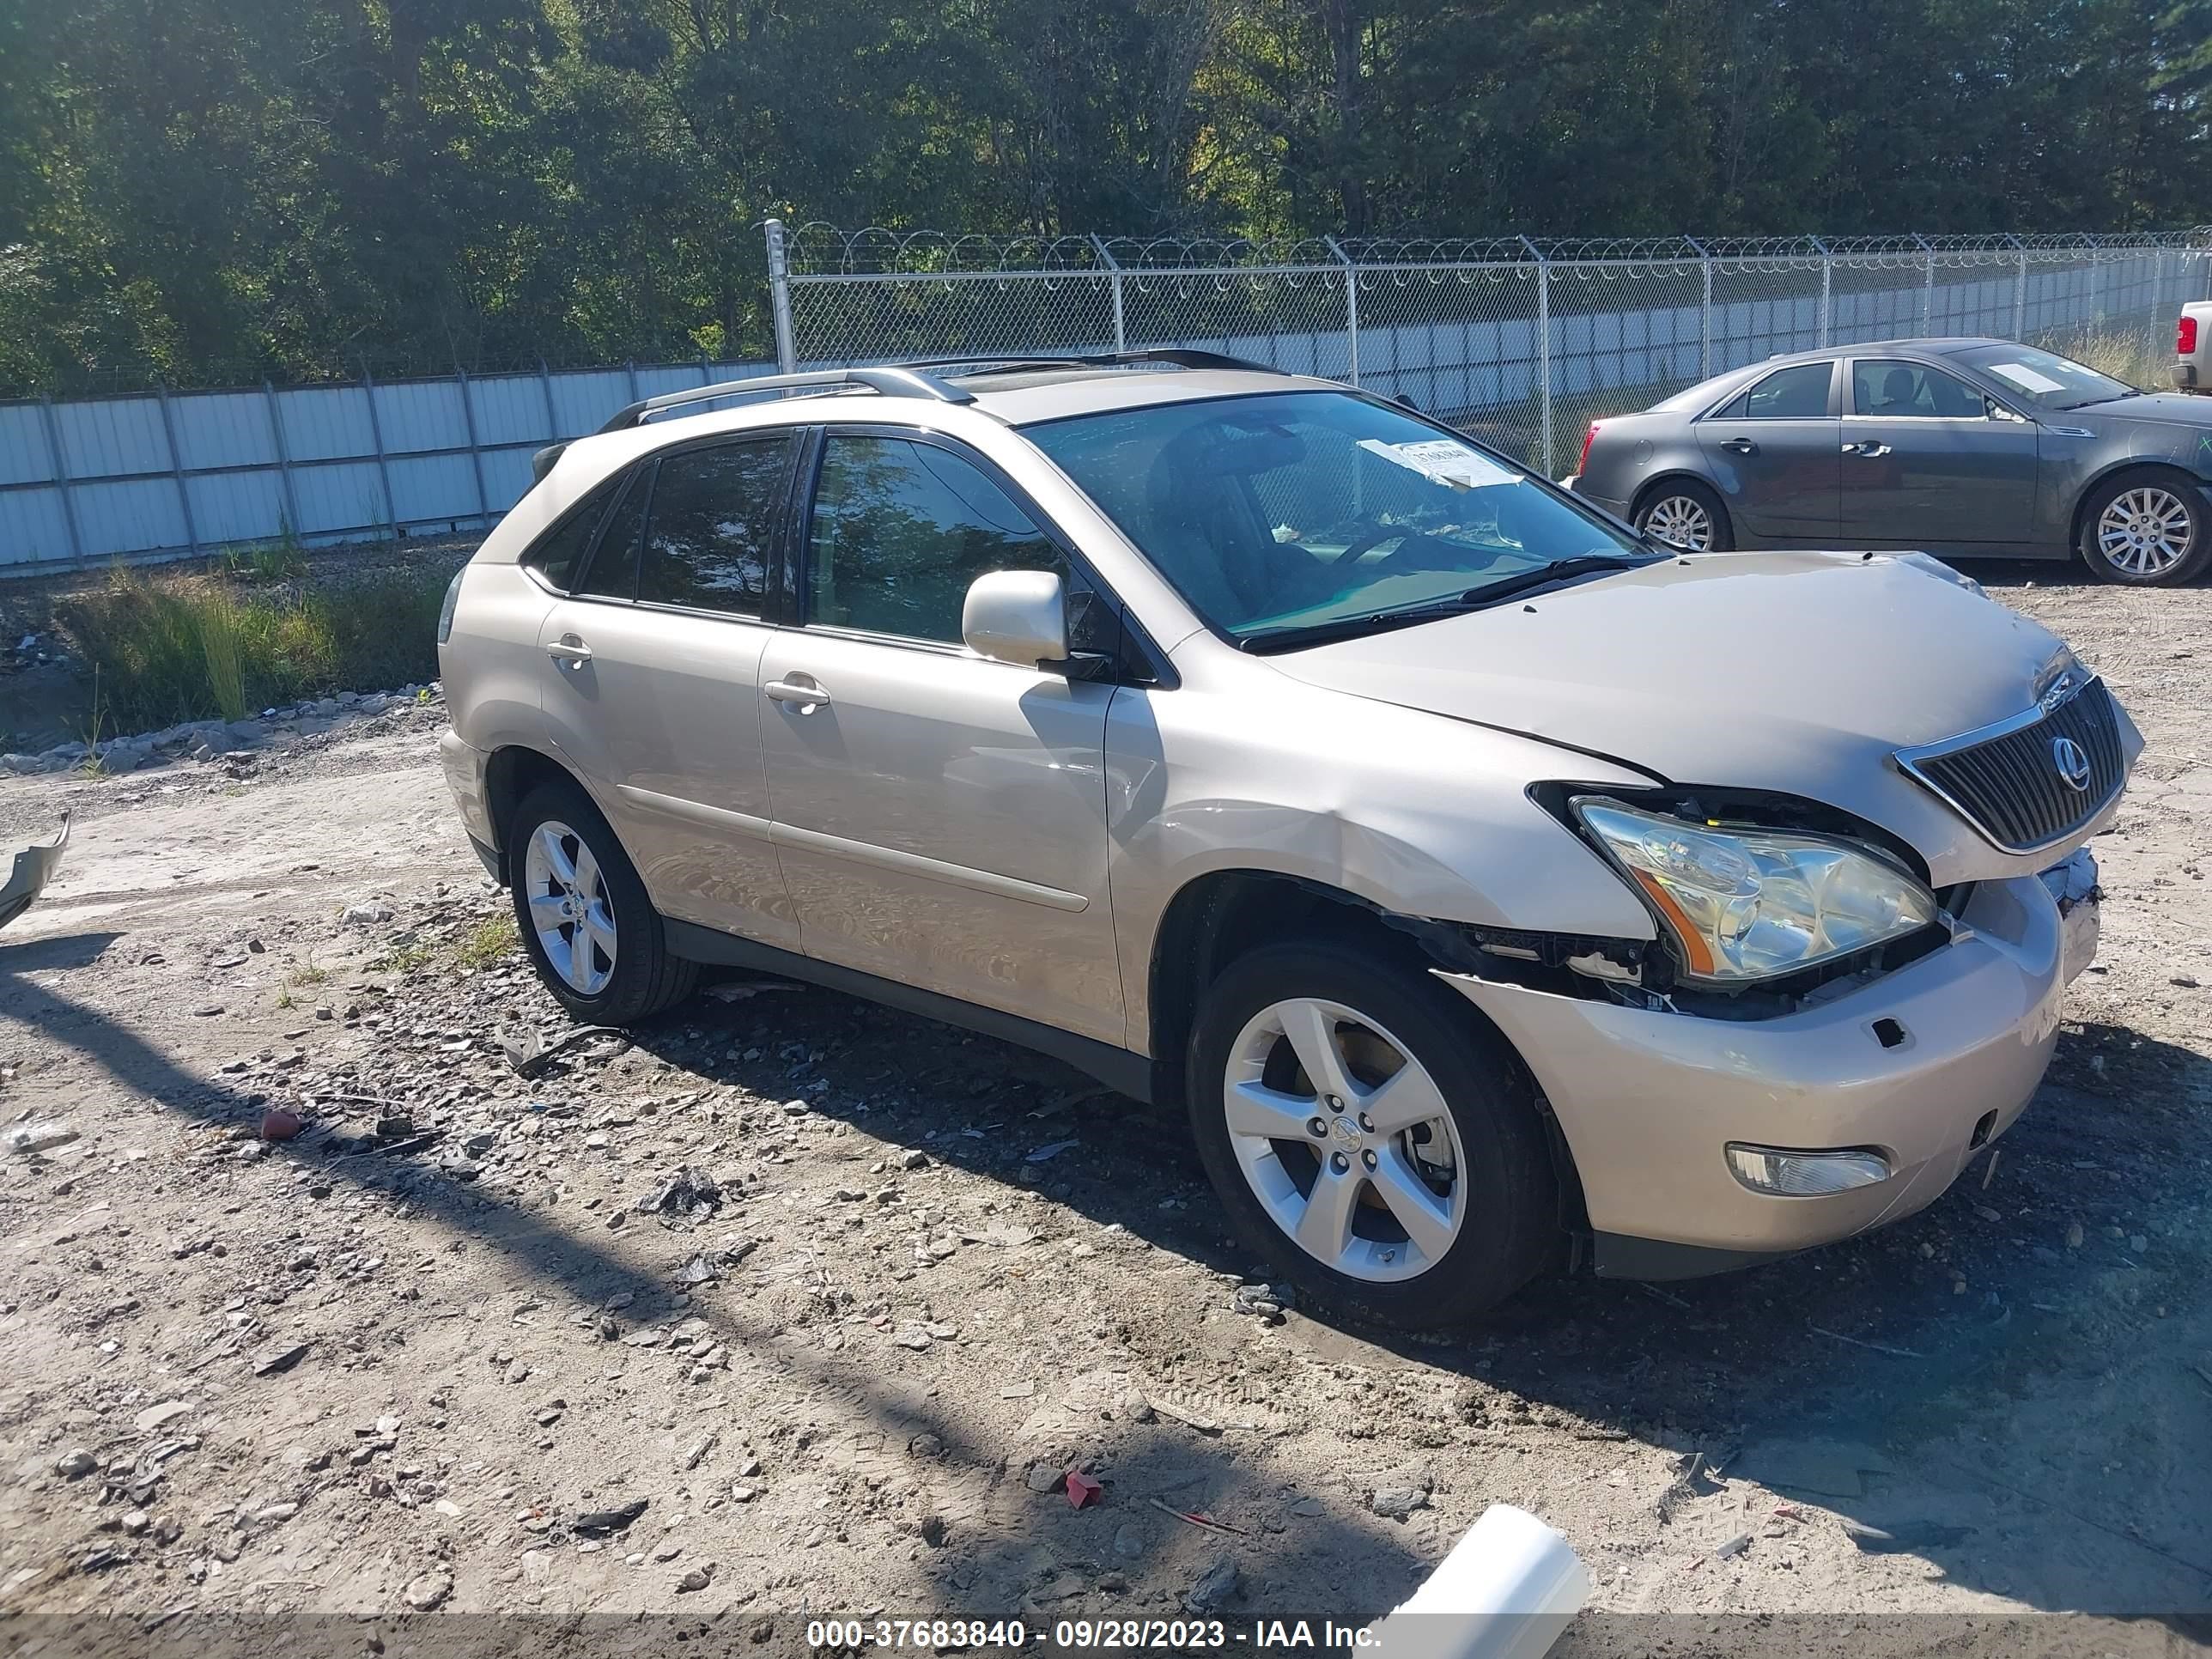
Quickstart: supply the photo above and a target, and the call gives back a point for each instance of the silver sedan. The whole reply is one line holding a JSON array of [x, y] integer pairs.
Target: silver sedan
[[1974, 447]]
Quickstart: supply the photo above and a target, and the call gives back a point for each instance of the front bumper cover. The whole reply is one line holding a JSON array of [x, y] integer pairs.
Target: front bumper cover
[[1647, 1100]]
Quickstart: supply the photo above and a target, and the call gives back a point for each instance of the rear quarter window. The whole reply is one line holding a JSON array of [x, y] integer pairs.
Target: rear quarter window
[[556, 555]]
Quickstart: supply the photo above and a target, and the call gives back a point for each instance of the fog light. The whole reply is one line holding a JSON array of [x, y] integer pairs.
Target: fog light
[[1804, 1175]]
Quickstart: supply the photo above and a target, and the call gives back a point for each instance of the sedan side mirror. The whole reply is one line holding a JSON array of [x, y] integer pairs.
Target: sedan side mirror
[[1018, 617]]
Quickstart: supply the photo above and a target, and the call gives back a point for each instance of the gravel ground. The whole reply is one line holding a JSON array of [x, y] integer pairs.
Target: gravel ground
[[813, 1306]]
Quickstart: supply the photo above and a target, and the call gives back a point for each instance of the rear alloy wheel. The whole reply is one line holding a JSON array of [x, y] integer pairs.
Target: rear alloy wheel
[[2146, 531], [586, 923], [1686, 515], [1393, 1166]]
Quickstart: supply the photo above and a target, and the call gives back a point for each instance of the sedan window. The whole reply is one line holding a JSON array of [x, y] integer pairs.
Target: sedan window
[[1912, 390], [1796, 393]]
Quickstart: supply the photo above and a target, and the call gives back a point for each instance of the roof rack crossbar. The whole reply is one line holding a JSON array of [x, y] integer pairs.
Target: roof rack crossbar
[[893, 382]]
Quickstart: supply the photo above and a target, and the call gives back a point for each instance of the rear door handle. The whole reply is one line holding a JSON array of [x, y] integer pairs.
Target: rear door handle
[[1741, 446], [1871, 451], [569, 651], [805, 693]]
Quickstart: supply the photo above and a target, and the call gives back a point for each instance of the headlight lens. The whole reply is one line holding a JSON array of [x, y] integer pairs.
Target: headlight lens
[[1750, 904]]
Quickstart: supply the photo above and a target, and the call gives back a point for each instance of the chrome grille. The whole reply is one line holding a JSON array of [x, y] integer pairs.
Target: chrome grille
[[2008, 782]]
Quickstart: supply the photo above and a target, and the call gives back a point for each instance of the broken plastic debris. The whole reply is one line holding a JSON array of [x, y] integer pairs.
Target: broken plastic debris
[[34, 866], [1082, 1490]]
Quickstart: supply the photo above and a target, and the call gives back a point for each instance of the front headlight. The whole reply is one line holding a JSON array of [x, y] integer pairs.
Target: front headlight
[[1750, 904]]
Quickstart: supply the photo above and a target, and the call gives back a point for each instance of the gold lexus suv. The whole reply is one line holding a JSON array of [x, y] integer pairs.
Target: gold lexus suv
[[1480, 876]]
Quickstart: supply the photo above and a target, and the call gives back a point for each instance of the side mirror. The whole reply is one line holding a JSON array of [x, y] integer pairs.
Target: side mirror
[[1019, 617]]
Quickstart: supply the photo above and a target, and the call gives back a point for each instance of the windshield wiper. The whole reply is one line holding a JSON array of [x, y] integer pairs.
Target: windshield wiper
[[1474, 598], [1521, 582], [1349, 627]]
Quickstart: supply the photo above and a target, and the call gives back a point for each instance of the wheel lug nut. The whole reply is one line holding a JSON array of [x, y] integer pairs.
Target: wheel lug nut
[[1367, 1123], [1317, 1128], [1368, 1159], [1334, 1104], [1339, 1163]]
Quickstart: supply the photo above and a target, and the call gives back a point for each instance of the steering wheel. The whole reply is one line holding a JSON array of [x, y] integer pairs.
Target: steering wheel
[[1367, 543]]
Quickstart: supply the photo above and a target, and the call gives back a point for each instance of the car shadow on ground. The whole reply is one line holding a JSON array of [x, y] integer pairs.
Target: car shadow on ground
[[1884, 1349], [990, 1554]]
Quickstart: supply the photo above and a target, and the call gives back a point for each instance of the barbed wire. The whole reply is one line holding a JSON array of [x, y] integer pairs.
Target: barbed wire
[[822, 251]]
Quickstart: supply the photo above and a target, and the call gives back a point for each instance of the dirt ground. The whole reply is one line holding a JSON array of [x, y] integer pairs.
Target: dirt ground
[[396, 1364]]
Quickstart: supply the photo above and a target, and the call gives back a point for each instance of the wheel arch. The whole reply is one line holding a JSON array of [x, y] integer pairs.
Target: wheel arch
[[2128, 465], [1682, 474], [511, 773], [1220, 915]]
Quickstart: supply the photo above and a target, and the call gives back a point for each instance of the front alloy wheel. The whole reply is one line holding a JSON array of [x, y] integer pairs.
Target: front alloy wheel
[[2144, 533], [1346, 1140], [1393, 1169]]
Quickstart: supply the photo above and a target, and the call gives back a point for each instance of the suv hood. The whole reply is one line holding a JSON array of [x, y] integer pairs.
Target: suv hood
[[1794, 673]]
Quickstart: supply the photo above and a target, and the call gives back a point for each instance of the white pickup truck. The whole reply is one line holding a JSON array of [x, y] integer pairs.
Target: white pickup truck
[[2192, 347]]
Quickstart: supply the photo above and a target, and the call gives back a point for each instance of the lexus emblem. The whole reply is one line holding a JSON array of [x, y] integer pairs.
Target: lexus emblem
[[2072, 764]]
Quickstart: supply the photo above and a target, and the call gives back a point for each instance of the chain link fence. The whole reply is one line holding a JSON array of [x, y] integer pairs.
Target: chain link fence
[[1518, 341]]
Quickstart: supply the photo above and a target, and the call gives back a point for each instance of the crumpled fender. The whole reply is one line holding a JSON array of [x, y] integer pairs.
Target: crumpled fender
[[35, 866]]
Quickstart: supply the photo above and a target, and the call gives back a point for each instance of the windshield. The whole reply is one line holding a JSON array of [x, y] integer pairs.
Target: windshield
[[2043, 379], [1285, 514]]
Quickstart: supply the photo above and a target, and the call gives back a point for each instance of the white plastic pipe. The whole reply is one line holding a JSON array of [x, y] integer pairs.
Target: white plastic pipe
[[1506, 1591]]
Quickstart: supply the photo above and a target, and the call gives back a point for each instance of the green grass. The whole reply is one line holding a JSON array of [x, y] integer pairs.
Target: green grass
[[167, 650], [486, 944], [265, 563], [2133, 356]]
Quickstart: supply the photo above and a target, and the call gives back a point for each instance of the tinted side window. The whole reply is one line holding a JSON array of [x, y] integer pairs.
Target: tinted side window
[[1795, 393], [901, 529], [1911, 392], [613, 571], [555, 555], [714, 513]]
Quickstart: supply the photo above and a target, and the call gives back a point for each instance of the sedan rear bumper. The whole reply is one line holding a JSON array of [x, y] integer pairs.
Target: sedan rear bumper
[[1924, 1066]]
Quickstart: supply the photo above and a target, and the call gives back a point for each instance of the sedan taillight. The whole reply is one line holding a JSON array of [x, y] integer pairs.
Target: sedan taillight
[[1590, 436]]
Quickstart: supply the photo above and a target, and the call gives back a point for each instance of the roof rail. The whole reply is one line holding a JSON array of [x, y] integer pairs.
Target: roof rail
[[891, 382], [1172, 356]]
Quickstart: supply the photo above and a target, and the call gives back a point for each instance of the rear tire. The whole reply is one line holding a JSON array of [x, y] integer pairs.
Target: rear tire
[[1430, 1194], [587, 924], [1686, 509], [2146, 530]]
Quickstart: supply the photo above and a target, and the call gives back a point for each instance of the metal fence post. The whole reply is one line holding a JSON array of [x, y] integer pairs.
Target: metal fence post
[[284, 452], [1113, 266], [2096, 280], [1827, 287], [1704, 311], [1928, 289], [376, 436], [779, 294], [62, 477], [475, 449], [2019, 290], [1543, 351], [1351, 304], [177, 472], [552, 415]]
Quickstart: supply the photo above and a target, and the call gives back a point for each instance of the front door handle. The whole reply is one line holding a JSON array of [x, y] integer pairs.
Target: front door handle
[[569, 651], [1741, 446], [1871, 451], [805, 693]]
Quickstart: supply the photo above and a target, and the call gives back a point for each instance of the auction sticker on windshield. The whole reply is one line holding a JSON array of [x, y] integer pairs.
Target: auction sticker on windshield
[[2025, 378], [1446, 462]]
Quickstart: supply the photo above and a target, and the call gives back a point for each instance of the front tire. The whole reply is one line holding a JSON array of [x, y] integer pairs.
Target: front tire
[[2146, 530], [1683, 512], [1369, 1135], [587, 924]]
